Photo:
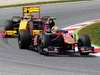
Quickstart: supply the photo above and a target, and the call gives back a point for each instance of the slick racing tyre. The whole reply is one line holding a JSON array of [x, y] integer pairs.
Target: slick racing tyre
[[43, 44], [84, 40], [16, 19], [24, 39], [14, 22]]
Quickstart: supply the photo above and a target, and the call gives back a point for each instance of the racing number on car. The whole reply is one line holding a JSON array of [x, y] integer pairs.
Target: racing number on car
[[26, 10], [30, 10]]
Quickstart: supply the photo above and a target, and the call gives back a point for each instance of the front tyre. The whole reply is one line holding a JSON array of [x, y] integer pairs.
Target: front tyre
[[84, 40], [24, 39]]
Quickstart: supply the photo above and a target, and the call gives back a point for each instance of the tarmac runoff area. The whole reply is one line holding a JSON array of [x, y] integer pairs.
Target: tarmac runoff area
[[14, 61]]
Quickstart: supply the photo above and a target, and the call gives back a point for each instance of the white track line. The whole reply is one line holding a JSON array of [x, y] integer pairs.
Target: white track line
[[78, 25]]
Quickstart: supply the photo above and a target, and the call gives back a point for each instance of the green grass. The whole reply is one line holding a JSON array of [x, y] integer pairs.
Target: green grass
[[35, 3], [93, 31]]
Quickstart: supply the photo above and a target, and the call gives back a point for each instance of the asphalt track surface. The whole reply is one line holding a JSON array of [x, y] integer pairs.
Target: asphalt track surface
[[14, 61]]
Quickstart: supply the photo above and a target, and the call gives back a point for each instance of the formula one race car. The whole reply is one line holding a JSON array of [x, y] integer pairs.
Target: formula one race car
[[11, 29], [47, 39]]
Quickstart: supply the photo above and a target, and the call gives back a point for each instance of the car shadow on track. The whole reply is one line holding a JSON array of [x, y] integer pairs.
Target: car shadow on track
[[72, 55], [67, 54]]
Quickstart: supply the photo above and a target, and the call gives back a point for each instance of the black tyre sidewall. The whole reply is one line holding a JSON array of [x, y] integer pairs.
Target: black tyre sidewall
[[25, 39], [84, 40]]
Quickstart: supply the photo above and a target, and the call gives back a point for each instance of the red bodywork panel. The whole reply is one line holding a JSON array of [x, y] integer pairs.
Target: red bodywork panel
[[67, 37]]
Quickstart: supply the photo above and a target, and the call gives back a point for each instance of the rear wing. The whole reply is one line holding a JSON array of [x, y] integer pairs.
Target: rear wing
[[31, 10]]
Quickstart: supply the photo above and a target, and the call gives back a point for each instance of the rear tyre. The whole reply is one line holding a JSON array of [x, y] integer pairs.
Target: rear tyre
[[16, 19], [24, 39], [39, 45], [84, 40], [42, 45], [13, 23], [9, 25]]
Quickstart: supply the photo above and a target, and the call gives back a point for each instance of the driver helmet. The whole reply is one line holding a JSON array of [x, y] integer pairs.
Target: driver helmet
[[55, 29]]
